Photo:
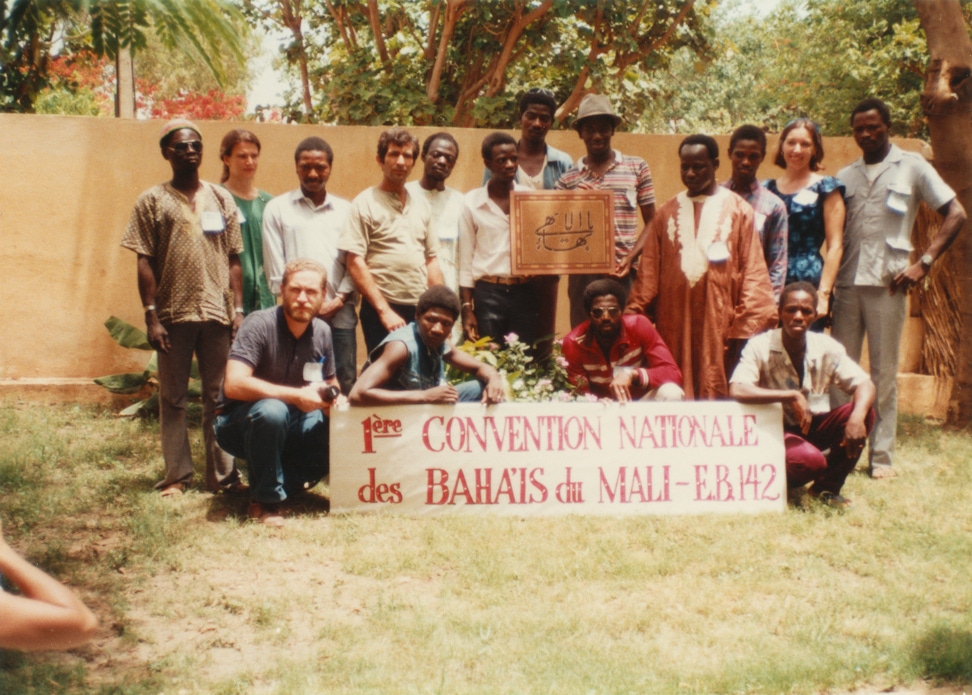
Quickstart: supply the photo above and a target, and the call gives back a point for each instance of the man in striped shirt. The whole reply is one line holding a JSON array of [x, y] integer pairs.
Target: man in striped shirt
[[617, 356], [629, 178]]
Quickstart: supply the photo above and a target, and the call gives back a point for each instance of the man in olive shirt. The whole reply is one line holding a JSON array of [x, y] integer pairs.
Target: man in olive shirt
[[391, 248]]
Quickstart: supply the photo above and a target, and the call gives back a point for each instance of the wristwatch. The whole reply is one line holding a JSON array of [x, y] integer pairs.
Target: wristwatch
[[927, 260]]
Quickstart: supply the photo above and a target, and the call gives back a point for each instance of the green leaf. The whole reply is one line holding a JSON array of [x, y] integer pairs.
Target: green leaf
[[149, 406], [126, 335], [131, 382]]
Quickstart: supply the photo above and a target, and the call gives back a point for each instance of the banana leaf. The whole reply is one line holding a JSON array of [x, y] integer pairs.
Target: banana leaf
[[149, 406], [131, 382], [126, 335]]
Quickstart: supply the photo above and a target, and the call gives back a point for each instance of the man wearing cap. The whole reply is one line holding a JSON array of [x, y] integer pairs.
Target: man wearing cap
[[186, 233], [604, 168]]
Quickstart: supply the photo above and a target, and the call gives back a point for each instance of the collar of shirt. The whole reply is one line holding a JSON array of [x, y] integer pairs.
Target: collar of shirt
[[582, 162], [297, 197], [895, 155], [731, 185], [480, 198]]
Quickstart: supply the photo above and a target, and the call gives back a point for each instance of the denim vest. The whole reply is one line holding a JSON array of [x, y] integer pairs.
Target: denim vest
[[423, 369]]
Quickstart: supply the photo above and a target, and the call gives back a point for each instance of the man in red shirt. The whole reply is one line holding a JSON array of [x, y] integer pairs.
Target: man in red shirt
[[617, 356]]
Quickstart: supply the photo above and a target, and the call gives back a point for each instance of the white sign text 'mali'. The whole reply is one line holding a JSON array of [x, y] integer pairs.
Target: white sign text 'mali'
[[568, 458]]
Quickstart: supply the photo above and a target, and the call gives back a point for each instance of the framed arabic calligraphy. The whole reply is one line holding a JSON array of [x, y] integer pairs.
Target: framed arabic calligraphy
[[561, 232]]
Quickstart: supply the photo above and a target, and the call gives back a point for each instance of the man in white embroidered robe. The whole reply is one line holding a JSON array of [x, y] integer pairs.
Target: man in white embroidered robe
[[702, 278]]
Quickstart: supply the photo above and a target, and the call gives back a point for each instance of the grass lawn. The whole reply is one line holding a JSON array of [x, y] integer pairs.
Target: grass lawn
[[194, 599]]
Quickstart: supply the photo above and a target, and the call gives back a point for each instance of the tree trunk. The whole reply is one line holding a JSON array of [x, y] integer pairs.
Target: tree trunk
[[947, 103], [124, 84]]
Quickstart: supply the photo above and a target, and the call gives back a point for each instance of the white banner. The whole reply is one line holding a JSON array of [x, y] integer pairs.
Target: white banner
[[559, 458]]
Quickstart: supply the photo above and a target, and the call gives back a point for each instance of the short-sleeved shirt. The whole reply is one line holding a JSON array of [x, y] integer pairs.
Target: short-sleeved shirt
[[446, 207], [771, 225], [807, 233], [395, 241], [766, 363], [630, 180], [880, 215], [191, 265], [265, 343], [293, 227]]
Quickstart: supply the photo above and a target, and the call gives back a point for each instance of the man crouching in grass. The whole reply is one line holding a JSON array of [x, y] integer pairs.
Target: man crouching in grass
[[268, 413], [796, 367], [408, 366]]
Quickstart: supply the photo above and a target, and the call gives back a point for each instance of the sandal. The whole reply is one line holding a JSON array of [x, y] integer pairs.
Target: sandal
[[173, 490]]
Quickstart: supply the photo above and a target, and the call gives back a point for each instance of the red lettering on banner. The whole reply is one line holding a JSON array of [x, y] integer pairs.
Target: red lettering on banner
[[381, 493], [569, 491], [374, 427], [687, 431], [643, 489], [749, 476], [513, 433], [517, 485], [723, 487]]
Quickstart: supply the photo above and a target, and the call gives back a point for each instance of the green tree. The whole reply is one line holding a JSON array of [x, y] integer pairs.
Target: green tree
[[463, 62], [33, 32], [816, 58]]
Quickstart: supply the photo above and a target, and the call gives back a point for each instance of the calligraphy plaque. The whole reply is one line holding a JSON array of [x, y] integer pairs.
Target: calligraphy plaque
[[562, 232]]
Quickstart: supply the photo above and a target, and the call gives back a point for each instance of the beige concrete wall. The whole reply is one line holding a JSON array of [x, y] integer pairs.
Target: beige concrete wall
[[67, 186]]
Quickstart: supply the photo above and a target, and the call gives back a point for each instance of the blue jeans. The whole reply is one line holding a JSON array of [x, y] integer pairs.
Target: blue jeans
[[286, 449], [345, 357], [470, 391]]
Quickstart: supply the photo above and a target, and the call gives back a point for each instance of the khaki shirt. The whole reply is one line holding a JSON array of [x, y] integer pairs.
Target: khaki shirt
[[395, 241], [190, 250]]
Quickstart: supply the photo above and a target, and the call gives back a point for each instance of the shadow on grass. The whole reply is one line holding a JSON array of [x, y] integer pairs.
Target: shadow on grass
[[944, 655], [233, 505]]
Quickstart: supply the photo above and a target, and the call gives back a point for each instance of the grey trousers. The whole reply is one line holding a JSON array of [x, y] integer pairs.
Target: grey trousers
[[210, 341], [871, 311]]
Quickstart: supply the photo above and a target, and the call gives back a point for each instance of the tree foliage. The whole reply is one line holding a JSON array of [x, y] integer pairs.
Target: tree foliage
[[816, 58], [464, 62], [34, 33]]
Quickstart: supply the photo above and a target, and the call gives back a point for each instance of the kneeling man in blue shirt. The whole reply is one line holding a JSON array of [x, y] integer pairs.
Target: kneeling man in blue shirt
[[277, 393]]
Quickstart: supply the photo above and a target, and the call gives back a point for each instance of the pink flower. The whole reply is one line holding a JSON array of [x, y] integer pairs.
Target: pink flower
[[561, 361], [511, 338]]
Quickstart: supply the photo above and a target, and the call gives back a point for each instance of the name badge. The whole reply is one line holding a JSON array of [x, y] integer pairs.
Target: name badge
[[313, 371], [806, 197], [240, 217], [632, 196], [760, 221], [718, 252], [212, 222], [897, 202], [819, 403]]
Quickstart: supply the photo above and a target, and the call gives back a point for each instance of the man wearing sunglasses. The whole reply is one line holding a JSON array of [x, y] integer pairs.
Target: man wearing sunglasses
[[617, 356], [186, 233]]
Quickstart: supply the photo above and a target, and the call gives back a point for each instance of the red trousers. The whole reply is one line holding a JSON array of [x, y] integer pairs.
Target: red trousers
[[807, 456]]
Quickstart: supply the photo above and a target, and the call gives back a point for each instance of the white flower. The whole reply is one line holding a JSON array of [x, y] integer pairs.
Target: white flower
[[511, 338]]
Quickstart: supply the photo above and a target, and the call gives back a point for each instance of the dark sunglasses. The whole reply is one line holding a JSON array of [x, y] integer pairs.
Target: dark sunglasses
[[186, 146], [612, 311]]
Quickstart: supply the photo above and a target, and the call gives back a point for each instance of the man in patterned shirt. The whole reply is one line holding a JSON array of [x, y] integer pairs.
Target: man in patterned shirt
[[604, 168], [747, 148], [187, 236]]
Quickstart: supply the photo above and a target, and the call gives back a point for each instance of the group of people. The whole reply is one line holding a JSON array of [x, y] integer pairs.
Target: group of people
[[723, 291]]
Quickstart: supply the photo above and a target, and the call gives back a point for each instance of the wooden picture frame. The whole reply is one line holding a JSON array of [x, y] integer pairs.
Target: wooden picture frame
[[561, 232]]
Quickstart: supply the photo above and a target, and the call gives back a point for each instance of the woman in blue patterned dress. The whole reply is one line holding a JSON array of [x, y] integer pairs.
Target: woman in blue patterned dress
[[815, 205]]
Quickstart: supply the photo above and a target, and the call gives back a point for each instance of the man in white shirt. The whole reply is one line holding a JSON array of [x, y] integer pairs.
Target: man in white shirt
[[494, 302], [440, 152], [307, 223]]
